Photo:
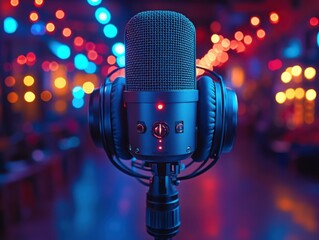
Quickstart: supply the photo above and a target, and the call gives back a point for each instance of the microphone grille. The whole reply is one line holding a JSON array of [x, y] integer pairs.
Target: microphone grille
[[160, 52]]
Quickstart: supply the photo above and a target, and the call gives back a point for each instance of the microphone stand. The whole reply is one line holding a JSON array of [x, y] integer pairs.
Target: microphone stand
[[163, 211]]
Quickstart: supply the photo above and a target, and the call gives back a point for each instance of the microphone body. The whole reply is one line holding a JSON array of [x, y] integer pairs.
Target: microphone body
[[160, 95]]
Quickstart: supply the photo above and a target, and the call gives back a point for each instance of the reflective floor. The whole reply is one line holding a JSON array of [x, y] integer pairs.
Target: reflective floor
[[245, 196]]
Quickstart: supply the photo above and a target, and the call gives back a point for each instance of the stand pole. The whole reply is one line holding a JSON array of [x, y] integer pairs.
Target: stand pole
[[162, 211]]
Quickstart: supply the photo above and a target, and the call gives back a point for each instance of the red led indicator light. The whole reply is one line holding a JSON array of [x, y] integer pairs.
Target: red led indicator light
[[160, 106]]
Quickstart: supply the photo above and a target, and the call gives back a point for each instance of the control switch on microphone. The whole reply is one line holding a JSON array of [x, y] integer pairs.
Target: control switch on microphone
[[140, 127], [160, 129], [179, 127]]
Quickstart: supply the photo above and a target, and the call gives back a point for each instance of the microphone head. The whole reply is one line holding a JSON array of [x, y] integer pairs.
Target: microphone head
[[160, 52]]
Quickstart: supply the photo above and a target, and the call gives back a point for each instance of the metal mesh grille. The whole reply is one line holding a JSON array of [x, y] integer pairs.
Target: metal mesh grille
[[160, 52]]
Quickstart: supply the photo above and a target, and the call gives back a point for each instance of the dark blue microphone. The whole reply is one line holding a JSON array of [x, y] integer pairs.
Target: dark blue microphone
[[161, 95]]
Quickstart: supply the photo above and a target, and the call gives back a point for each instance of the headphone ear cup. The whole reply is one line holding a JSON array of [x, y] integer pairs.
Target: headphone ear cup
[[206, 118], [119, 120], [95, 117]]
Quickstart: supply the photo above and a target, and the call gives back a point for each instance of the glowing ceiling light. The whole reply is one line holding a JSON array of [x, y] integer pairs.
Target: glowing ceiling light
[[10, 25], [103, 15]]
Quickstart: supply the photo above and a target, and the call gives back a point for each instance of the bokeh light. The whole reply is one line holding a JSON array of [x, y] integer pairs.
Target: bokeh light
[[10, 25], [118, 49], [110, 31], [46, 95], [310, 73], [313, 21], [50, 27], [81, 61], [311, 94], [300, 93], [12, 97], [215, 38], [29, 96], [274, 17], [59, 14], [38, 3], [290, 93], [38, 28], [78, 92], [261, 33], [255, 21], [102, 15], [248, 40], [296, 71], [88, 87], [34, 16], [239, 35], [60, 82], [280, 97], [28, 80], [14, 3], [66, 32], [286, 77], [10, 81], [94, 2], [62, 51]]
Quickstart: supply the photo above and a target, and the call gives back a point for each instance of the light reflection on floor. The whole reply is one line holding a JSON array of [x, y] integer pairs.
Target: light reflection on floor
[[245, 196]]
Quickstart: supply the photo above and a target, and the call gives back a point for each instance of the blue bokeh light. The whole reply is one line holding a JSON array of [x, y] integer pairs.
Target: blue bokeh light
[[103, 15], [91, 68], [62, 51], [120, 61], [38, 28], [110, 31], [118, 49], [94, 2], [81, 62], [318, 39], [293, 50], [78, 92], [10, 25], [78, 102]]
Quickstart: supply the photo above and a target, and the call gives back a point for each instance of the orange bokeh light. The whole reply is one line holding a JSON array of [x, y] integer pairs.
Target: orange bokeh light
[[66, 32], [239, 35], [255, 21], [248, 40], [274, 17], [59, 14], [34, 17], [261, 33], [50, 27]]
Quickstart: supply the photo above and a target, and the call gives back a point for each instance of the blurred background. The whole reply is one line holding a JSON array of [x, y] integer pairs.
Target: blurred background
[[55, 184]]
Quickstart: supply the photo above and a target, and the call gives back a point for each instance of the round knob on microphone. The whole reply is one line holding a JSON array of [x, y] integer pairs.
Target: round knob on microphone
[[160, 129]]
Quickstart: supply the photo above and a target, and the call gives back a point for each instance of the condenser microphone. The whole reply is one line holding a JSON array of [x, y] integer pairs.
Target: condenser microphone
[[160, 93]]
